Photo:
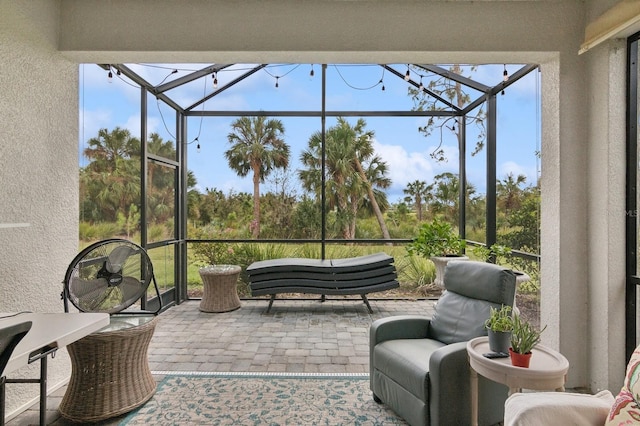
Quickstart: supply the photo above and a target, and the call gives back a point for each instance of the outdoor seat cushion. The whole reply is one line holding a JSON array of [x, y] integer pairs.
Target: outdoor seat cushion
[[406, 361]]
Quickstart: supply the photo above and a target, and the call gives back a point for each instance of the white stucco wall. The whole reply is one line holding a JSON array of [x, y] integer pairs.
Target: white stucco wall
[[606, 230], [38, 173]]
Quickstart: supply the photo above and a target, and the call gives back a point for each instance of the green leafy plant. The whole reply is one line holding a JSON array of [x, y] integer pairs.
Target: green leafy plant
[[500, 320], [436, 238], [497, 251], [524, 336]]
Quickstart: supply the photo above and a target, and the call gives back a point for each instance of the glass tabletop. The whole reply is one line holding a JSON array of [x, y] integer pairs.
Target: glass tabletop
[[122, 322]]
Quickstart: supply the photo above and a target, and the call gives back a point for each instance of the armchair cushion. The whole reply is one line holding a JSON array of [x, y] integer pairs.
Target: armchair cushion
[[463, 307], [407, 361]]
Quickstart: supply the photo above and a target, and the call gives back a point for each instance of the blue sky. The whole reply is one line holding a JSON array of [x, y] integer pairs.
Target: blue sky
[[107, 103]]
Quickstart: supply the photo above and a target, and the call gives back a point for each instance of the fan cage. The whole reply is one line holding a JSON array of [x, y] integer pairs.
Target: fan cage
[[109, 276]]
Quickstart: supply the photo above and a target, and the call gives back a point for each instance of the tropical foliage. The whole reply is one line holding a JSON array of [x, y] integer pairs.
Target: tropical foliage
[[355, 176], [356, 205]]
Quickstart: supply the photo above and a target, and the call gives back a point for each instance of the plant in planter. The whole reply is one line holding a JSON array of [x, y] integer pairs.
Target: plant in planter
[[438, 242], [497, 252], [524, 337], [499, 327]]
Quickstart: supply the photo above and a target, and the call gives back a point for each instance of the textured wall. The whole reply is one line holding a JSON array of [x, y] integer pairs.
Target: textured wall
[[38, 171]]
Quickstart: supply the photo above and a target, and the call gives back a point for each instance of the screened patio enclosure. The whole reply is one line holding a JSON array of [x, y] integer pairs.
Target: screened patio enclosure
[[182, 116]]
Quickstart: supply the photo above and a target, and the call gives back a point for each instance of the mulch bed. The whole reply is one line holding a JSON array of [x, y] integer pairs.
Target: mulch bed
[[528, 304]]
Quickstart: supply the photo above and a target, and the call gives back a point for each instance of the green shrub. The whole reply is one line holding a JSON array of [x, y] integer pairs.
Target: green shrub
[[414, 271]]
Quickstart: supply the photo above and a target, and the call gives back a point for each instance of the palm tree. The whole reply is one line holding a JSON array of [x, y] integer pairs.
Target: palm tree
[[112, 179], [108, 147], [364, 153], [446, 194], [509, 192], [257, 146], [418, 191], [354, 174]]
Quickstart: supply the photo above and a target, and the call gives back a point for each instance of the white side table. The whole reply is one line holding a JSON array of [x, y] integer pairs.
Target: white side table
[[547, 371]]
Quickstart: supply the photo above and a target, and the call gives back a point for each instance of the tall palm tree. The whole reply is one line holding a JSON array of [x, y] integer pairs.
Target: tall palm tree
[[257, 146], [353, 174], [418, 191], [364, 153]]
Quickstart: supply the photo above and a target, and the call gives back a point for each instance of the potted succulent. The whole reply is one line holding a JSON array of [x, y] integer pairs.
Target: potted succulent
[[438, 242], [524, 337], [499, 327]]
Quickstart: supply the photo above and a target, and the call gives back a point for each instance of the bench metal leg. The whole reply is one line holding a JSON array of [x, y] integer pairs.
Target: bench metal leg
[[273, 297], [366, 302]]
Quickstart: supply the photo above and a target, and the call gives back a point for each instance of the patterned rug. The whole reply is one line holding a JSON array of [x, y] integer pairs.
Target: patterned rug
[[252, 399]]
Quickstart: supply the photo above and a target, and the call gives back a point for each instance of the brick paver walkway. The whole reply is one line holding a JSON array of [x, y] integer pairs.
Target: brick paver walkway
[[301, 336], [297, 336]]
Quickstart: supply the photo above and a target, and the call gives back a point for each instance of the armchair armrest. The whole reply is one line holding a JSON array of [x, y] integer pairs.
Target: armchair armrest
[[450, 391], [398, 327], [449, 395]]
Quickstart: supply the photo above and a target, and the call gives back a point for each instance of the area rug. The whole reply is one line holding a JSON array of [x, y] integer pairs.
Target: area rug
[[248, 399]]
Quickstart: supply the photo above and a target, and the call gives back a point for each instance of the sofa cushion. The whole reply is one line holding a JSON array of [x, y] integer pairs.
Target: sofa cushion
[[625, 409]]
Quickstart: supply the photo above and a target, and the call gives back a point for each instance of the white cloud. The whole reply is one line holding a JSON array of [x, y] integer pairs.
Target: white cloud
[[405, 167], [516, 169], [91, 121]]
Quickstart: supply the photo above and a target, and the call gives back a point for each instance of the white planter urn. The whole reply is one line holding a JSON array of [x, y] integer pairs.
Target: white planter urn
[[441, 262]]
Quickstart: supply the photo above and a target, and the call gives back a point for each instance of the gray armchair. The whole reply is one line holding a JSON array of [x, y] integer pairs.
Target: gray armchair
[[419, 366]]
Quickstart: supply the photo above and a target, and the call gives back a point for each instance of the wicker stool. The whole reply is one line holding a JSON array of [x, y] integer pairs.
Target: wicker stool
[[220, 288], [110, 372]]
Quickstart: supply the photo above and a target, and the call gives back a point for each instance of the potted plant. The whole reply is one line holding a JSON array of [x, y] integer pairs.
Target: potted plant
[[438, 242], [499, 327], [524, 337]]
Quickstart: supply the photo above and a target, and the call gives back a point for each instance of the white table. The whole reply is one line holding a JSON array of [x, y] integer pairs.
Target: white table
[[547, 371], [48, 333]]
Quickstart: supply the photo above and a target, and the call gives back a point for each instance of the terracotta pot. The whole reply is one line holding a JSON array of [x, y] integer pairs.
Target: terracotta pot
[[520, 360]]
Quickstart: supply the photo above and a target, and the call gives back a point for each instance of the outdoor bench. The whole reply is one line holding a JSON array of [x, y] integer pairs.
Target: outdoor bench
[[351, 276]]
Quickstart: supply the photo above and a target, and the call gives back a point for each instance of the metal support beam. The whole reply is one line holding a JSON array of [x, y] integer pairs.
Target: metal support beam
[[454, 77], [424, 89], [462, 167], [180, 248], [128, 72], [226, 86], [323, 130], [491, 170], [263, 113], [190, 77]]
